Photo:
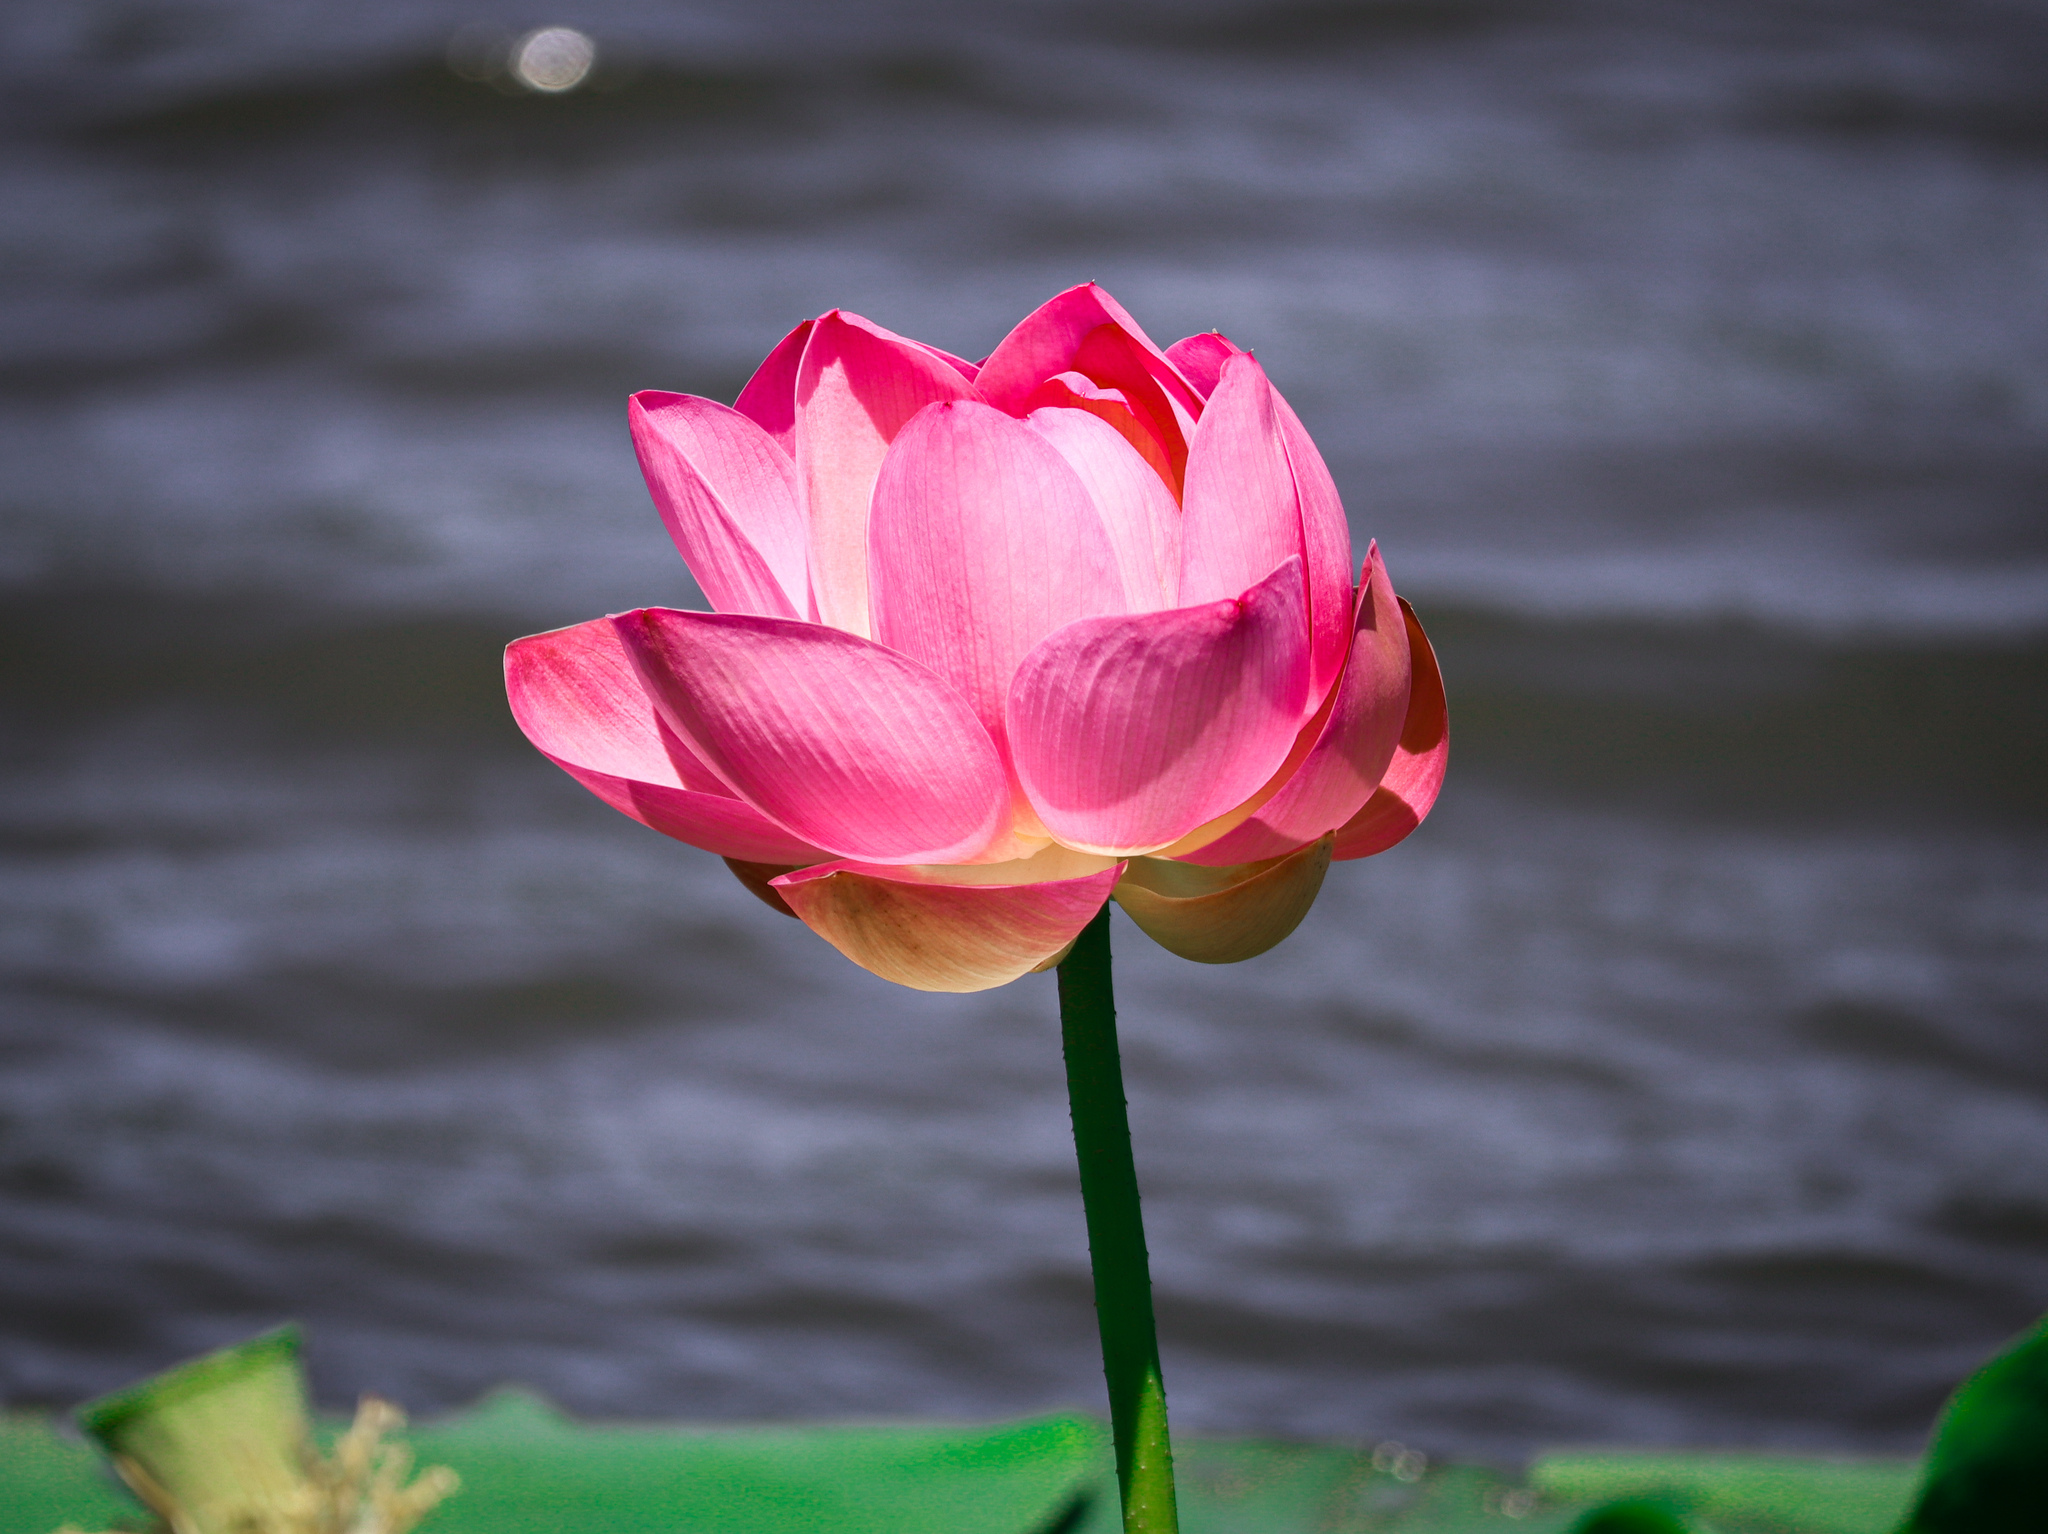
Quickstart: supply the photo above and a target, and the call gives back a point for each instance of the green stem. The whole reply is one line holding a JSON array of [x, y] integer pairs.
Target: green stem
[[1116, 1234]]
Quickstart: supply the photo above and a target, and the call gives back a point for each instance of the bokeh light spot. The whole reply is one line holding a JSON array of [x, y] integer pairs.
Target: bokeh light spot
[[553, 59]]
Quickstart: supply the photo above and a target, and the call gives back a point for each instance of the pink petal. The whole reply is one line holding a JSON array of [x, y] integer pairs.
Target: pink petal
[[1325, 543], [960, 365], [577, 698], [1201, 358], [1356, 735], [1239, 516], [1046, 341], [1137, 508], [906, 927], [1256, 492], [1114, 359], [1409, 789], [769, 399], [1077, 391], [857, 386], [727, 495], [982, 541], [850, 745], [1129, 732]]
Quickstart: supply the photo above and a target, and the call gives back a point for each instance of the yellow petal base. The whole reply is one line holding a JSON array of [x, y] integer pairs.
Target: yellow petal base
[[1223, 915]]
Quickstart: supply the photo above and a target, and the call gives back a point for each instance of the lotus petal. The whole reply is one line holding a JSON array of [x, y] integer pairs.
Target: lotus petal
[[1201, 358], [1129, 732], [1238, 514], [1137, 508], [1409, 789], [907, 927], [1325, 545], [982, 541], [769, 399], [1048, 864], [1046, 341], [1222, 915], [857, 386], [960, 365], [727, 495], [1355, 737], [1248, 504], [1114, 359], [758, 878], [576, 696], [852, 746], [1078, 392]]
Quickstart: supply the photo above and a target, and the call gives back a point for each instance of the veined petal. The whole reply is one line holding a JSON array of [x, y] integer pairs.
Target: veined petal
[[1116, 359], [905, 926], [1129, 732], [727, 495], [1137, 508], [1409, 789], [1238, 514], [1223, 915], [769, 399], [1360, 728], [1325, 545], [576, 697], [852, 746], [982, 541], [1201, 358], [1047, 865], [1046, 341], [857, 385], [1077, 391]]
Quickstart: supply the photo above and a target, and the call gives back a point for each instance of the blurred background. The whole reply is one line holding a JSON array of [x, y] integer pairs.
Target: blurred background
[[1682, 1080]]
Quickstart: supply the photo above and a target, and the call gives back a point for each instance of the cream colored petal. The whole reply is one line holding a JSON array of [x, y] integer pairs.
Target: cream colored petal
[[901, 924], [1047, 862], [1222, 915]]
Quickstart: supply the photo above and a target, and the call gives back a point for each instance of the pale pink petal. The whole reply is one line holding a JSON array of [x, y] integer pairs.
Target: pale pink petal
[[1137, 508], [1046, 341], [1049, 864], [1359, 729], [730, 827], [1129, 732], [982, 541], [934, 936], [1223, 915], [1201, 358], [1077, 391], [1409, 789], [769, 399], [850, 745], [727, 495], [576, 694], [1325, 544], [857, 386], [1239, 516], [576, 697], [1247, 505]]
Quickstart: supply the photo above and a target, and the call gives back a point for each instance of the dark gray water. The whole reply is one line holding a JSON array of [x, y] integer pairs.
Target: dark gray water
[[1684, 1079]]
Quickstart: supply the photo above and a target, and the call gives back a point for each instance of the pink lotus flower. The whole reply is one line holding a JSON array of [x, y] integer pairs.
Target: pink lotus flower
[[994, 643]]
